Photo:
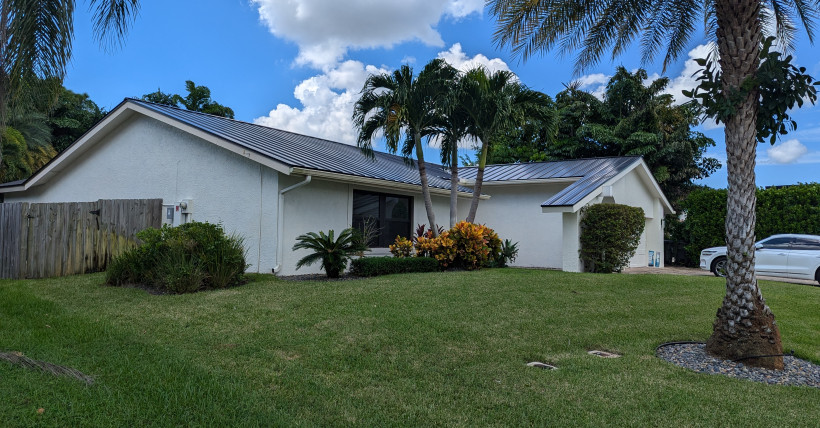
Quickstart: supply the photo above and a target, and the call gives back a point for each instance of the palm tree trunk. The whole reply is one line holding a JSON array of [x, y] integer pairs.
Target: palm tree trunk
[[4, 83], [479, 181], [454, 186], [744, 325], [425, 187]]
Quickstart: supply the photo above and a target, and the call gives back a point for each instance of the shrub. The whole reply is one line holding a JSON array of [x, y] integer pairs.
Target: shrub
[[610, 233], [374, 266], [476, 245], [334, 253], [182, 259], [509, 251], [790, 209], [402, 247]]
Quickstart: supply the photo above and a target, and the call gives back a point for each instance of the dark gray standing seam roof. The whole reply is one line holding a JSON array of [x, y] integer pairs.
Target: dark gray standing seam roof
[[301, 151], [591, 174]]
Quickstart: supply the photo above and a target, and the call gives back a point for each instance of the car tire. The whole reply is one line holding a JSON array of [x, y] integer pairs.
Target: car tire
[[719, 266], [817, 276]]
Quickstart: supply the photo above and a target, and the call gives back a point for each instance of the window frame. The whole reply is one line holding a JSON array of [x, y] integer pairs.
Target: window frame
[[383, 241]]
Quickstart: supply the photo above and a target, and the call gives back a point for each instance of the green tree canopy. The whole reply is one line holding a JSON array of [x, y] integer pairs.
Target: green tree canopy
[[633, 119], [198, 99]]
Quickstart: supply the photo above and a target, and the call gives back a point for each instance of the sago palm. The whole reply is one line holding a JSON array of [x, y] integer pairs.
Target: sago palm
[[404, 107], [35, 42], [744, 325], [331, 251], [495, 103]]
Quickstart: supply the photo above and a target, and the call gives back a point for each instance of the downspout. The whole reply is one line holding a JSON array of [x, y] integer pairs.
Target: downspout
[[280, 220]]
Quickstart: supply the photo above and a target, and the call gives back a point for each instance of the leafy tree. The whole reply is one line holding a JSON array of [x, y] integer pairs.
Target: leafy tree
[[72, 115], [495, 103], [405, 108], [744, 325], [198, 99], [36, 38], [160, 97], [632, 119]]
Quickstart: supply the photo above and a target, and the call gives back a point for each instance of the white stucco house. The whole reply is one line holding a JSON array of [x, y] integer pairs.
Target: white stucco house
[[271, 185]]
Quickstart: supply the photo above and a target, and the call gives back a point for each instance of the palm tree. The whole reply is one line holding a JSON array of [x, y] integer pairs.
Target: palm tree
[[452, 129], [404, 108], [35, 42], [744, 325], [496, 103]]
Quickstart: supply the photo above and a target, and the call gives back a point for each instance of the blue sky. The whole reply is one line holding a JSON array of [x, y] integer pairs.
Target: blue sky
[[298, 65]]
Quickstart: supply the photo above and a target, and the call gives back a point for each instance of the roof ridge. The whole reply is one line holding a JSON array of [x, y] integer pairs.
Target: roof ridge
[[555, 160]]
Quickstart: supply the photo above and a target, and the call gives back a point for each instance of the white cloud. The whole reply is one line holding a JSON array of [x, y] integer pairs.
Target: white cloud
[[327, 104], [327, 99], [685, 80], [789, 151], [595, 84], [324, 30], [456, 57]]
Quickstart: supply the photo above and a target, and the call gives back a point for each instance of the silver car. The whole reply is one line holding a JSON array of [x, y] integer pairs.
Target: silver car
[[786, 256]]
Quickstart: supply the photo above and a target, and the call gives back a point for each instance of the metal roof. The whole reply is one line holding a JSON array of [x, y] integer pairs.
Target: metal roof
[[590, 173], [301, 151]]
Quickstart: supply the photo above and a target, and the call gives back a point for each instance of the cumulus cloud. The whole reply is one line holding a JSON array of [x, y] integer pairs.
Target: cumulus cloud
[[789, 151], [327, 99], [456, 57], [326, 102], [324, 30]]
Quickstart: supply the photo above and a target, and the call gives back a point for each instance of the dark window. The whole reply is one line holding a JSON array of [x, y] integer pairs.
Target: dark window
[[776, 243], [806, 244], [389, 214]]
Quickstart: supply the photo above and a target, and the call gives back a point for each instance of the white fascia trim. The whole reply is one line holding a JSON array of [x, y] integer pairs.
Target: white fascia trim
[[471, 183], [378, 182], [79, 146], [558, 209], [647, 178], [225, 144]]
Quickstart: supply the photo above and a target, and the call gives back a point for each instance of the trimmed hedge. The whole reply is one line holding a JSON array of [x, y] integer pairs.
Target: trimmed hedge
[[374, 266], [792, 209], [610, 233]]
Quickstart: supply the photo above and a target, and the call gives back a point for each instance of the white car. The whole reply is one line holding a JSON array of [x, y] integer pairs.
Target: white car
[[787, 256]]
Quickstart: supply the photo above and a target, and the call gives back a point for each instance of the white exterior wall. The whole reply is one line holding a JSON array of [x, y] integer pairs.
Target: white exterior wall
[[514, 212], [633, 190], [145, 158], [322, 205]]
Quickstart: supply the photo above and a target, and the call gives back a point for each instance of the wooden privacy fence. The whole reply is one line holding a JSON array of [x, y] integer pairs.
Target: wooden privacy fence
[[56, 239]]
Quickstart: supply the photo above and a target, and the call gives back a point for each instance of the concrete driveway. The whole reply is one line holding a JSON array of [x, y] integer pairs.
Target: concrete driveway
[[679, 270]]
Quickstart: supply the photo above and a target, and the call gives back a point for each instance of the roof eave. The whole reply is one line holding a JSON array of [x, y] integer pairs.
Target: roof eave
[[355, 179]]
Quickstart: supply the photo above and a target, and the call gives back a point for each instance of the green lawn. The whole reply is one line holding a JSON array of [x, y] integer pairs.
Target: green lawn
[[417, 349]]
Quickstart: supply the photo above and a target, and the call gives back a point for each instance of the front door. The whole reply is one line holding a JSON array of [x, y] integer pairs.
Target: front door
[[803, 258]]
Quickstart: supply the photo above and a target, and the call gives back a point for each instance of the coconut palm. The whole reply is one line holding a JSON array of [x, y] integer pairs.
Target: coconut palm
[[744, 325], [35, 42], [404, 108], [495, 103]]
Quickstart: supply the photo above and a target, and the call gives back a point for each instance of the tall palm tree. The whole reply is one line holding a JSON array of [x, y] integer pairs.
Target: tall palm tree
[[452, 129], [35, 42], [744, 325], [405, 109], [495, 103]]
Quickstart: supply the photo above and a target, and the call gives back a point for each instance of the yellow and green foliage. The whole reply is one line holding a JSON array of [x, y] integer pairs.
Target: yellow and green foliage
[[20, 160], [467, 245], [476, 244], [403, 247]]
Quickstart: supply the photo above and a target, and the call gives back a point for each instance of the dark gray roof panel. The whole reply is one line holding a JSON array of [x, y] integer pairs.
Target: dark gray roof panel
[[295, 150], [591, 174]]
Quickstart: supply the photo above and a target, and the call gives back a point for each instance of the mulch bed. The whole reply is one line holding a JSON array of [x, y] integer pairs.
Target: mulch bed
[[693, 356]]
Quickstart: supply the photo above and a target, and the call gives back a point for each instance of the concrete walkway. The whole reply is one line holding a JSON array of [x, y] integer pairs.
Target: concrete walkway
[[679, 270]]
